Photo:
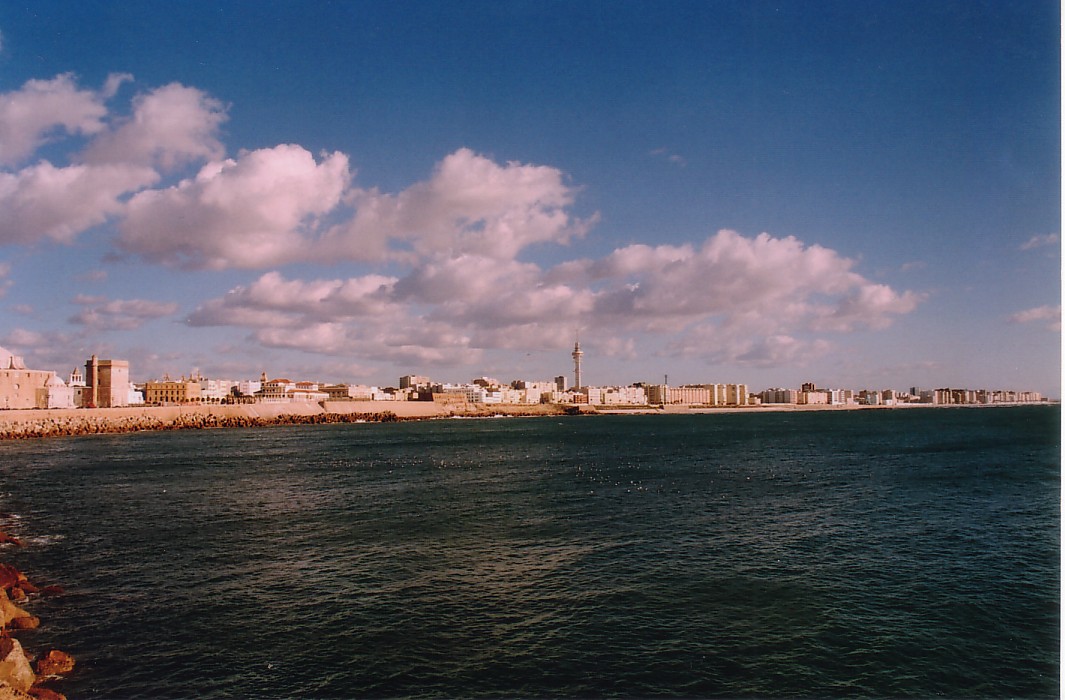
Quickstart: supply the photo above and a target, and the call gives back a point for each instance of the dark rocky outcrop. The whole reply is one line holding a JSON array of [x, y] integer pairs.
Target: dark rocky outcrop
[[55, 663]]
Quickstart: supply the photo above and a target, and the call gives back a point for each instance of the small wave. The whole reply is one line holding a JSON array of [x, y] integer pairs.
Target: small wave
[[43, 540]]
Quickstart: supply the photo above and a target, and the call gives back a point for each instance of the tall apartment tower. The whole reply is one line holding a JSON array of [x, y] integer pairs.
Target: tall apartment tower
[[577, 355]]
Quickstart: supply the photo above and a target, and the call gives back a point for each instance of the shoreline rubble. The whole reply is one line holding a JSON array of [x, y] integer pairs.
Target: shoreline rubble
[[21, 679], [21, 424], [45, 423]]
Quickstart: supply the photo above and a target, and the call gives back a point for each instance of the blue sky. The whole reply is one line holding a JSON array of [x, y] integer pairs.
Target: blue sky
[[860, 194]]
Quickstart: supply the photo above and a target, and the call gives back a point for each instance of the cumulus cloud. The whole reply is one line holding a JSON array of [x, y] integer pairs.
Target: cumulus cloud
[[255, 211], [452, 242], [30, 115], [43, 201], [1051, 315], [276, 301], [119, 314], [758, 301], [170, 126], [779, 281], [276, 206], [470, 205]]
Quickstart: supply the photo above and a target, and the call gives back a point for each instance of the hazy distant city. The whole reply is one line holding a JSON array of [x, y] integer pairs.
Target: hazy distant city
[[107, 384]]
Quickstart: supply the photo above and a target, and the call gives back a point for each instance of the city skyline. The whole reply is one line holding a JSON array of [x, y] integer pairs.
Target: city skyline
[[853, 194]]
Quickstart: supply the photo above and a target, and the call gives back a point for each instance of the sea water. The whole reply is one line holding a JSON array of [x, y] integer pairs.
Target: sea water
[[859, 553]]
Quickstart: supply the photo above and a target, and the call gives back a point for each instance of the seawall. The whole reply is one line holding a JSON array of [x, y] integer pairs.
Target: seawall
[[38, 423]]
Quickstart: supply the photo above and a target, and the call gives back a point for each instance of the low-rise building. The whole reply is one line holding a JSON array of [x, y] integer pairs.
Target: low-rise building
[[169, 392], [19, 385], [56, 394]]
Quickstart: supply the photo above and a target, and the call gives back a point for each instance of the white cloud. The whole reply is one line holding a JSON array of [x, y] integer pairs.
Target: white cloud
[[170, 126], [119, 314], [49, 349], [469, 205], [452, 240], [1040, 241], [1049, 314], [725, 345], [272, 300], [778, 281], [271, 207], [753, 301], [43, 201], [256, 211], [29, 116]]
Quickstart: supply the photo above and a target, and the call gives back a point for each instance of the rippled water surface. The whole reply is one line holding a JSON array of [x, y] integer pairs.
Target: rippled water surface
[[864, 553]]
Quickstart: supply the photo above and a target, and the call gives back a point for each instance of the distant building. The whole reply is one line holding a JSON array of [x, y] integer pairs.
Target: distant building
[[414, 381], [657, 394], [215, 390], [814, 398], [577, 355], [776, 396], [250, 387], [55, 394], [169, 391], [18, 385], [107, 383], [350, 392]]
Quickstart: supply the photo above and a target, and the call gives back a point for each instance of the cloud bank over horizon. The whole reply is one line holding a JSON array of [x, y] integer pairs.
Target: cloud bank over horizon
[[451, 264]]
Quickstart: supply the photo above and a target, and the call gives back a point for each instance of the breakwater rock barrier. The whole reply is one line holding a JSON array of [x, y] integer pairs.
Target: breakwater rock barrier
[[42, 423]]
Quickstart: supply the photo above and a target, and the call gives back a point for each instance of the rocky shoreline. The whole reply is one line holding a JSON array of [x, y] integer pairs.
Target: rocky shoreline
[[46, 423], [21, 679], [29, 424]]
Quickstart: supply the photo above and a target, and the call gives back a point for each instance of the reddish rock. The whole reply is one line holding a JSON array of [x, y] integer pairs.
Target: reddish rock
[[18, 594], [55, 663], [9, 693], [14, 666], [9, 577], [29, 587], [42, 693], [25, 623], [9, 611]]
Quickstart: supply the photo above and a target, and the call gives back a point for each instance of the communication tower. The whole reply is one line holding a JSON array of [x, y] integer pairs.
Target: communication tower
[[577, 355]]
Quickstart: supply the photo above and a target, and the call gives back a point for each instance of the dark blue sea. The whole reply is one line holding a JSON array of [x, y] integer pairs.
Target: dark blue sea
[[906, 553]]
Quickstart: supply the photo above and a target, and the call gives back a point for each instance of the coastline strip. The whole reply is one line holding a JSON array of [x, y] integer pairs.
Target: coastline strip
[[42, 423]]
